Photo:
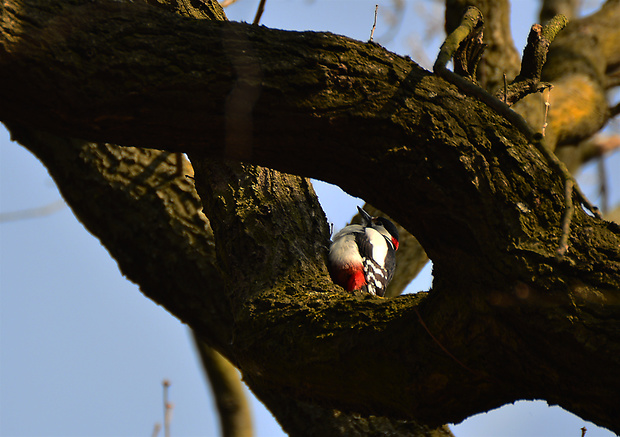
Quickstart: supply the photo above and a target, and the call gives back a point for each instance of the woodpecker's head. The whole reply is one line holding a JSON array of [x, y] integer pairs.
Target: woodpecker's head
[[384, 226]]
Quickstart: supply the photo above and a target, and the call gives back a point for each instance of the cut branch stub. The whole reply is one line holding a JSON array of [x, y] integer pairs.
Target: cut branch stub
[[534, 58]]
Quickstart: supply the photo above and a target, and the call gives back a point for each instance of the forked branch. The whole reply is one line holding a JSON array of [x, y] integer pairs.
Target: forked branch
[[534, 58]]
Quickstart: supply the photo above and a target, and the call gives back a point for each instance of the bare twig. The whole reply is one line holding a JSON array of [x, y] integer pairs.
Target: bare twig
[[156, 429], [259, 12], [547, 104], [602, 178], [374, 24], [447, 352], [39, 211], [569, 210], [583, 431], [167, 408]]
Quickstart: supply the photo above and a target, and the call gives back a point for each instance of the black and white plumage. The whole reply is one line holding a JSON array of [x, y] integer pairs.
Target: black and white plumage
[[362, 257]]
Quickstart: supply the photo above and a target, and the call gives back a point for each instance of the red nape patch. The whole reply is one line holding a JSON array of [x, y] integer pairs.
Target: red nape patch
[[395, 243]]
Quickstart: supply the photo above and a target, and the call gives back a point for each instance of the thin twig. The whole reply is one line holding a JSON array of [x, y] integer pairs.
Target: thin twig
[[567, 217], [602, 178], [583, 431], [505, 89], [441, 345], [547, 104], [156, 429], [259, 12], [374, 24], [167, 409], [39, 211]]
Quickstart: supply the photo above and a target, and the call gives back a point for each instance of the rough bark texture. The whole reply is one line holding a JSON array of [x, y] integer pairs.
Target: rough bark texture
[[505, 319]]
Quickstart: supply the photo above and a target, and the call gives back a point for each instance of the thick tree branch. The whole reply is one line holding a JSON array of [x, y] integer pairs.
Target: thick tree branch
[[480, 199], [113, 190]]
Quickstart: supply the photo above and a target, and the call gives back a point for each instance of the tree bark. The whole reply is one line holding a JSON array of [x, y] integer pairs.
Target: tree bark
[[505, 320]]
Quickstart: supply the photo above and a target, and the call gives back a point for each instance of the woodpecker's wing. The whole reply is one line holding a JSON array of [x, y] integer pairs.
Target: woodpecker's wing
[[379, 260], [372, 245]]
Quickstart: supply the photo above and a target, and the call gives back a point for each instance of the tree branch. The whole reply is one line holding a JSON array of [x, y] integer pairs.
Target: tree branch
[[484, 204], [233, 408], [111, 190]]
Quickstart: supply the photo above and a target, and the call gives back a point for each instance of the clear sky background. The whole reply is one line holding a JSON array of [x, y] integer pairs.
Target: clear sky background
[[83, 352]]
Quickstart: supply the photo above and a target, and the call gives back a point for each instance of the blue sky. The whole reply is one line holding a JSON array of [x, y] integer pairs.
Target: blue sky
[[83, 352]]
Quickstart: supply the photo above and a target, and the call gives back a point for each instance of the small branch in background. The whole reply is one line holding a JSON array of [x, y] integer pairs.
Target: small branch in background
[[40, 211], [602, 179], [230, 399], [259, 12], [167, 408], [156, 429], [583, 431], [392, 15], [614, 110], [374, 24], [551, 8], [597, 146], [614, 215], [227, 3]]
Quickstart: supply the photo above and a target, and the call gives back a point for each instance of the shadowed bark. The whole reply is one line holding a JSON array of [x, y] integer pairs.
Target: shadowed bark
[[505, 319]]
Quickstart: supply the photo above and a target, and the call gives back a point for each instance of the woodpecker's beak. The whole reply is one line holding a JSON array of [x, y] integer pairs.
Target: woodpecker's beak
[[365, 216]]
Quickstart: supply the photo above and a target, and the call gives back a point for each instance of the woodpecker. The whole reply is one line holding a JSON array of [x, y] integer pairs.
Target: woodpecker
[[362, 257]]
